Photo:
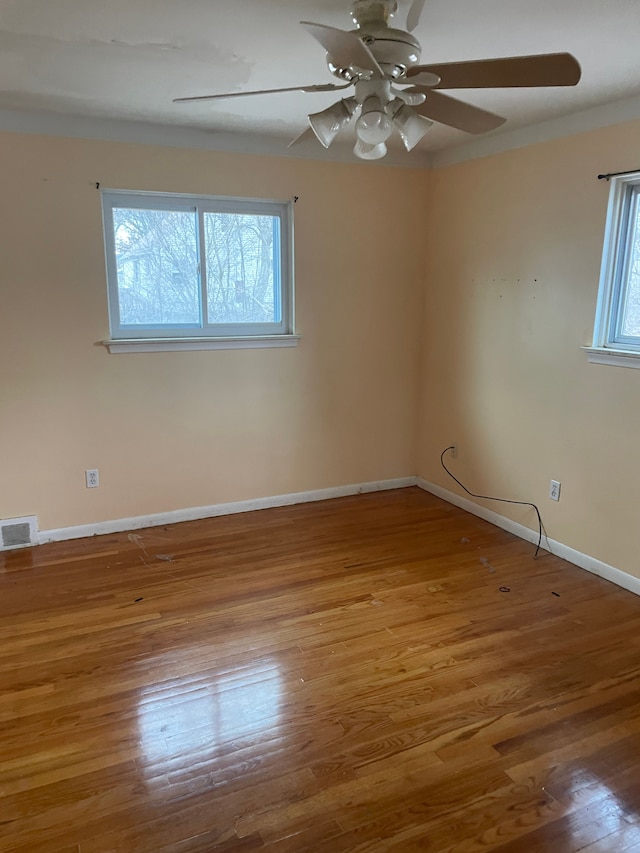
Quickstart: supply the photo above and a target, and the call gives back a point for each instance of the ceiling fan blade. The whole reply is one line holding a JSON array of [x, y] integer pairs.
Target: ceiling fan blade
[[411, 97], [346, 48], [415, 12], [317, 87], [423, 78], [449, 111], [306, 136], [545, 69]]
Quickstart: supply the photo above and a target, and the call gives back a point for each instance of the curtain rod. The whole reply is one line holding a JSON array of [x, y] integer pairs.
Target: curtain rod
[[617, 174]]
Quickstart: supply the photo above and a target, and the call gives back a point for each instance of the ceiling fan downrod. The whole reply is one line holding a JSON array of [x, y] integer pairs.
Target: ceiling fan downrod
[[365, 12]]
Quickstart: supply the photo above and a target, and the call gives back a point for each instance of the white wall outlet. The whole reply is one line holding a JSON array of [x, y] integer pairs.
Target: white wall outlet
[[554, 490], [92, 478]]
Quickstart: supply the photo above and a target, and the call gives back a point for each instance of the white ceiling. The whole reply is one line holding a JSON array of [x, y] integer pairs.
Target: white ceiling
[[127, 59]]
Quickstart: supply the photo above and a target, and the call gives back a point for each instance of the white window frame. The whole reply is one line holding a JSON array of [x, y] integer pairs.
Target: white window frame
[[610, 346], [205, 335]]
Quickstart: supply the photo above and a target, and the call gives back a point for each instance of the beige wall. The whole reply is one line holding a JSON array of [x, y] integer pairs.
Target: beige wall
[[512, 277], [176, 430], [512, 266]]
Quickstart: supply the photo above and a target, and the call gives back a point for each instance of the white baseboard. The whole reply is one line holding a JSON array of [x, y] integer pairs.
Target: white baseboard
[[193, 513], [584, 561]]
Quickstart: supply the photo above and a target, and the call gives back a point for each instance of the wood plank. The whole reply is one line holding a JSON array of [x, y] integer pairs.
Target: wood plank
[[341, 676]]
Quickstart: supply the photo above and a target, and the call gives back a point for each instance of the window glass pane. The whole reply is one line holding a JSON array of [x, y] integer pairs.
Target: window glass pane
[[157, 266], [630, 326], [242, 268]]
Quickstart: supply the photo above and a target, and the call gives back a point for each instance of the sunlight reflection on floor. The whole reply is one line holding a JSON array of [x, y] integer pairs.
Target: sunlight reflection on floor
[[195, 719]]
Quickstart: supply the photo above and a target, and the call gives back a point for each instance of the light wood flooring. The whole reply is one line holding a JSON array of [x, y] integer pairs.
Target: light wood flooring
[[338, 676]]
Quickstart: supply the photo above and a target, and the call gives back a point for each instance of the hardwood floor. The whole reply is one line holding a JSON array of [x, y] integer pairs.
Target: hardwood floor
[[340, 676]]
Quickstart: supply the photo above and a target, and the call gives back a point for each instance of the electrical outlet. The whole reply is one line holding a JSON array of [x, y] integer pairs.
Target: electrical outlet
[[92, 478], [454, 451], [554, 490]]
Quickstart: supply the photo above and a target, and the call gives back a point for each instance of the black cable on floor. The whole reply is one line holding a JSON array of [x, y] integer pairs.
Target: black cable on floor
[[489, 498]]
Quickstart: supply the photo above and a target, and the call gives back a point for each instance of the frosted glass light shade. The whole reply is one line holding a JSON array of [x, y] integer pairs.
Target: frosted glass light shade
[[373, 126], [327, 124], [410, 125], [369, 152]]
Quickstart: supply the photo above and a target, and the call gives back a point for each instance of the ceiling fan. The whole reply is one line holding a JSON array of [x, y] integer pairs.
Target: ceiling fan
[[393, 92]]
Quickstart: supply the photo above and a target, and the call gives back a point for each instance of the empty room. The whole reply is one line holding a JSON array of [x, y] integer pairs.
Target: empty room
[[319, 420]]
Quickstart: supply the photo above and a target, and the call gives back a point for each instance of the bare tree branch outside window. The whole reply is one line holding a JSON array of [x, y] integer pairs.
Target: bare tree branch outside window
[[631, 320], [158, 268], [240, 268]]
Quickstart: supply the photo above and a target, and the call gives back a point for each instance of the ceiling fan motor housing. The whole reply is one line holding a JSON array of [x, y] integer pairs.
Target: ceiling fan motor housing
[[395, 51]]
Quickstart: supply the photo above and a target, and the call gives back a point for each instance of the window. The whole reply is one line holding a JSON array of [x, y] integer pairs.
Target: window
[[617, 328], [197, 269]]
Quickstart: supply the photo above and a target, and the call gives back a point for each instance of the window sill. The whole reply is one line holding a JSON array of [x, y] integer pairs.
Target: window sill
[[616, 357], [181, 344]]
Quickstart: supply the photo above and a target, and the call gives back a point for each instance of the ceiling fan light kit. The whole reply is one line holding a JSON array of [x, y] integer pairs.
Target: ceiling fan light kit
[[373, 125], [394, 92], [365, 151], [410, 126], [327, 124]]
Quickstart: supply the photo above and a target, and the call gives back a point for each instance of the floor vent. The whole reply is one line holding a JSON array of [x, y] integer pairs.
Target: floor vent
[[18, 532]]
